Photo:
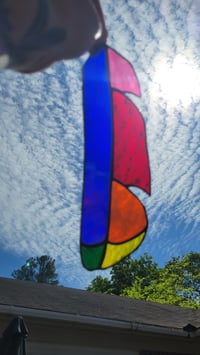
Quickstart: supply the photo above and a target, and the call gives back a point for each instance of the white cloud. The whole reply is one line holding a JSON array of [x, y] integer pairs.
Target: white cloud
[[41, 139]]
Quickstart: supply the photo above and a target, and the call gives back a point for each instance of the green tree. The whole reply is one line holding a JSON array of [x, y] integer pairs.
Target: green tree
[[145, 269], [100, 284], [40, 269], [187, 270], [121, 275], [124, 273], [178, 283]]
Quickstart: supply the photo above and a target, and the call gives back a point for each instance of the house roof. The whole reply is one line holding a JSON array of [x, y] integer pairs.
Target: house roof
[[43, 297]]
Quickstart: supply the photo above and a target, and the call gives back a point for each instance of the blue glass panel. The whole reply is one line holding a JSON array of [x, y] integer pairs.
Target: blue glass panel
[[98, 149]]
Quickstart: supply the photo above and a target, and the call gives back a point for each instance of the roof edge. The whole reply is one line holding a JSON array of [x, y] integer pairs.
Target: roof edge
[[94, 321]]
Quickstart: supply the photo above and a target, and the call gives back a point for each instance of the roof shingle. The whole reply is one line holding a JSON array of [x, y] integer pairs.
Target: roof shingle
[[84, 303]]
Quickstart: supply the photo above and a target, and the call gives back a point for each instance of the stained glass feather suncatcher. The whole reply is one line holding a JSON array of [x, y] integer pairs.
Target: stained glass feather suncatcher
[[114, 221]]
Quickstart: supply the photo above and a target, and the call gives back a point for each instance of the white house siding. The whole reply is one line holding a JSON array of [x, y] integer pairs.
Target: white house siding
[[52, 349]]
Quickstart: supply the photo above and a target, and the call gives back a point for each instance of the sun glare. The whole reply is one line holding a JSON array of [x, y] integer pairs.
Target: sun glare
[[178, 82]]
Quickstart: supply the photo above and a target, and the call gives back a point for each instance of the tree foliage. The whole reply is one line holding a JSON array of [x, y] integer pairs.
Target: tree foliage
[[124, 273], [40, 269], [101, 284], [178, 282]]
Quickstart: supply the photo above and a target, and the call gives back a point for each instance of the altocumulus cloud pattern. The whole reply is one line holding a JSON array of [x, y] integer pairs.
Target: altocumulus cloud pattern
[[41, 139]]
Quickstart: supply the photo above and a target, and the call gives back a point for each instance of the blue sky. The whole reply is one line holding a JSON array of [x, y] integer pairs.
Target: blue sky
[[41, 141]]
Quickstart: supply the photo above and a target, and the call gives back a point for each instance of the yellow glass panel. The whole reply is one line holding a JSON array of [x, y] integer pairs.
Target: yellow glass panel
[[116, 252]]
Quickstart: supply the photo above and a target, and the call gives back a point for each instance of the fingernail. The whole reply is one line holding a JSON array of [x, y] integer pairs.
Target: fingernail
[[4, 61], [99, 33]]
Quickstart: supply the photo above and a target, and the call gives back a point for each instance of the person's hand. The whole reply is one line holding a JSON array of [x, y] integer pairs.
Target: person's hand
[[36, 33]]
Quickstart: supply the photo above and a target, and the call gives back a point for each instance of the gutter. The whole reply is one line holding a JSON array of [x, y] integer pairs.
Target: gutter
[[94, 321]]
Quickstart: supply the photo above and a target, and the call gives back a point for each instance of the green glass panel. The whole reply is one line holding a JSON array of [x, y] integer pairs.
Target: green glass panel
[[92, 256]]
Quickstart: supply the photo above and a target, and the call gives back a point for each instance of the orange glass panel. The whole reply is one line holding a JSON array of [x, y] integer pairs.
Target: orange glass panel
[[127, 215]]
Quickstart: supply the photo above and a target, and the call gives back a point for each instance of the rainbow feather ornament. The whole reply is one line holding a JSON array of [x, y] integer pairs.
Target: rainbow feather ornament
[[114, 221]]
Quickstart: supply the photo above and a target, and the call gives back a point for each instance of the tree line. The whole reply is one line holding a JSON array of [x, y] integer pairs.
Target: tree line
[[178, 282], [39, 269]]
